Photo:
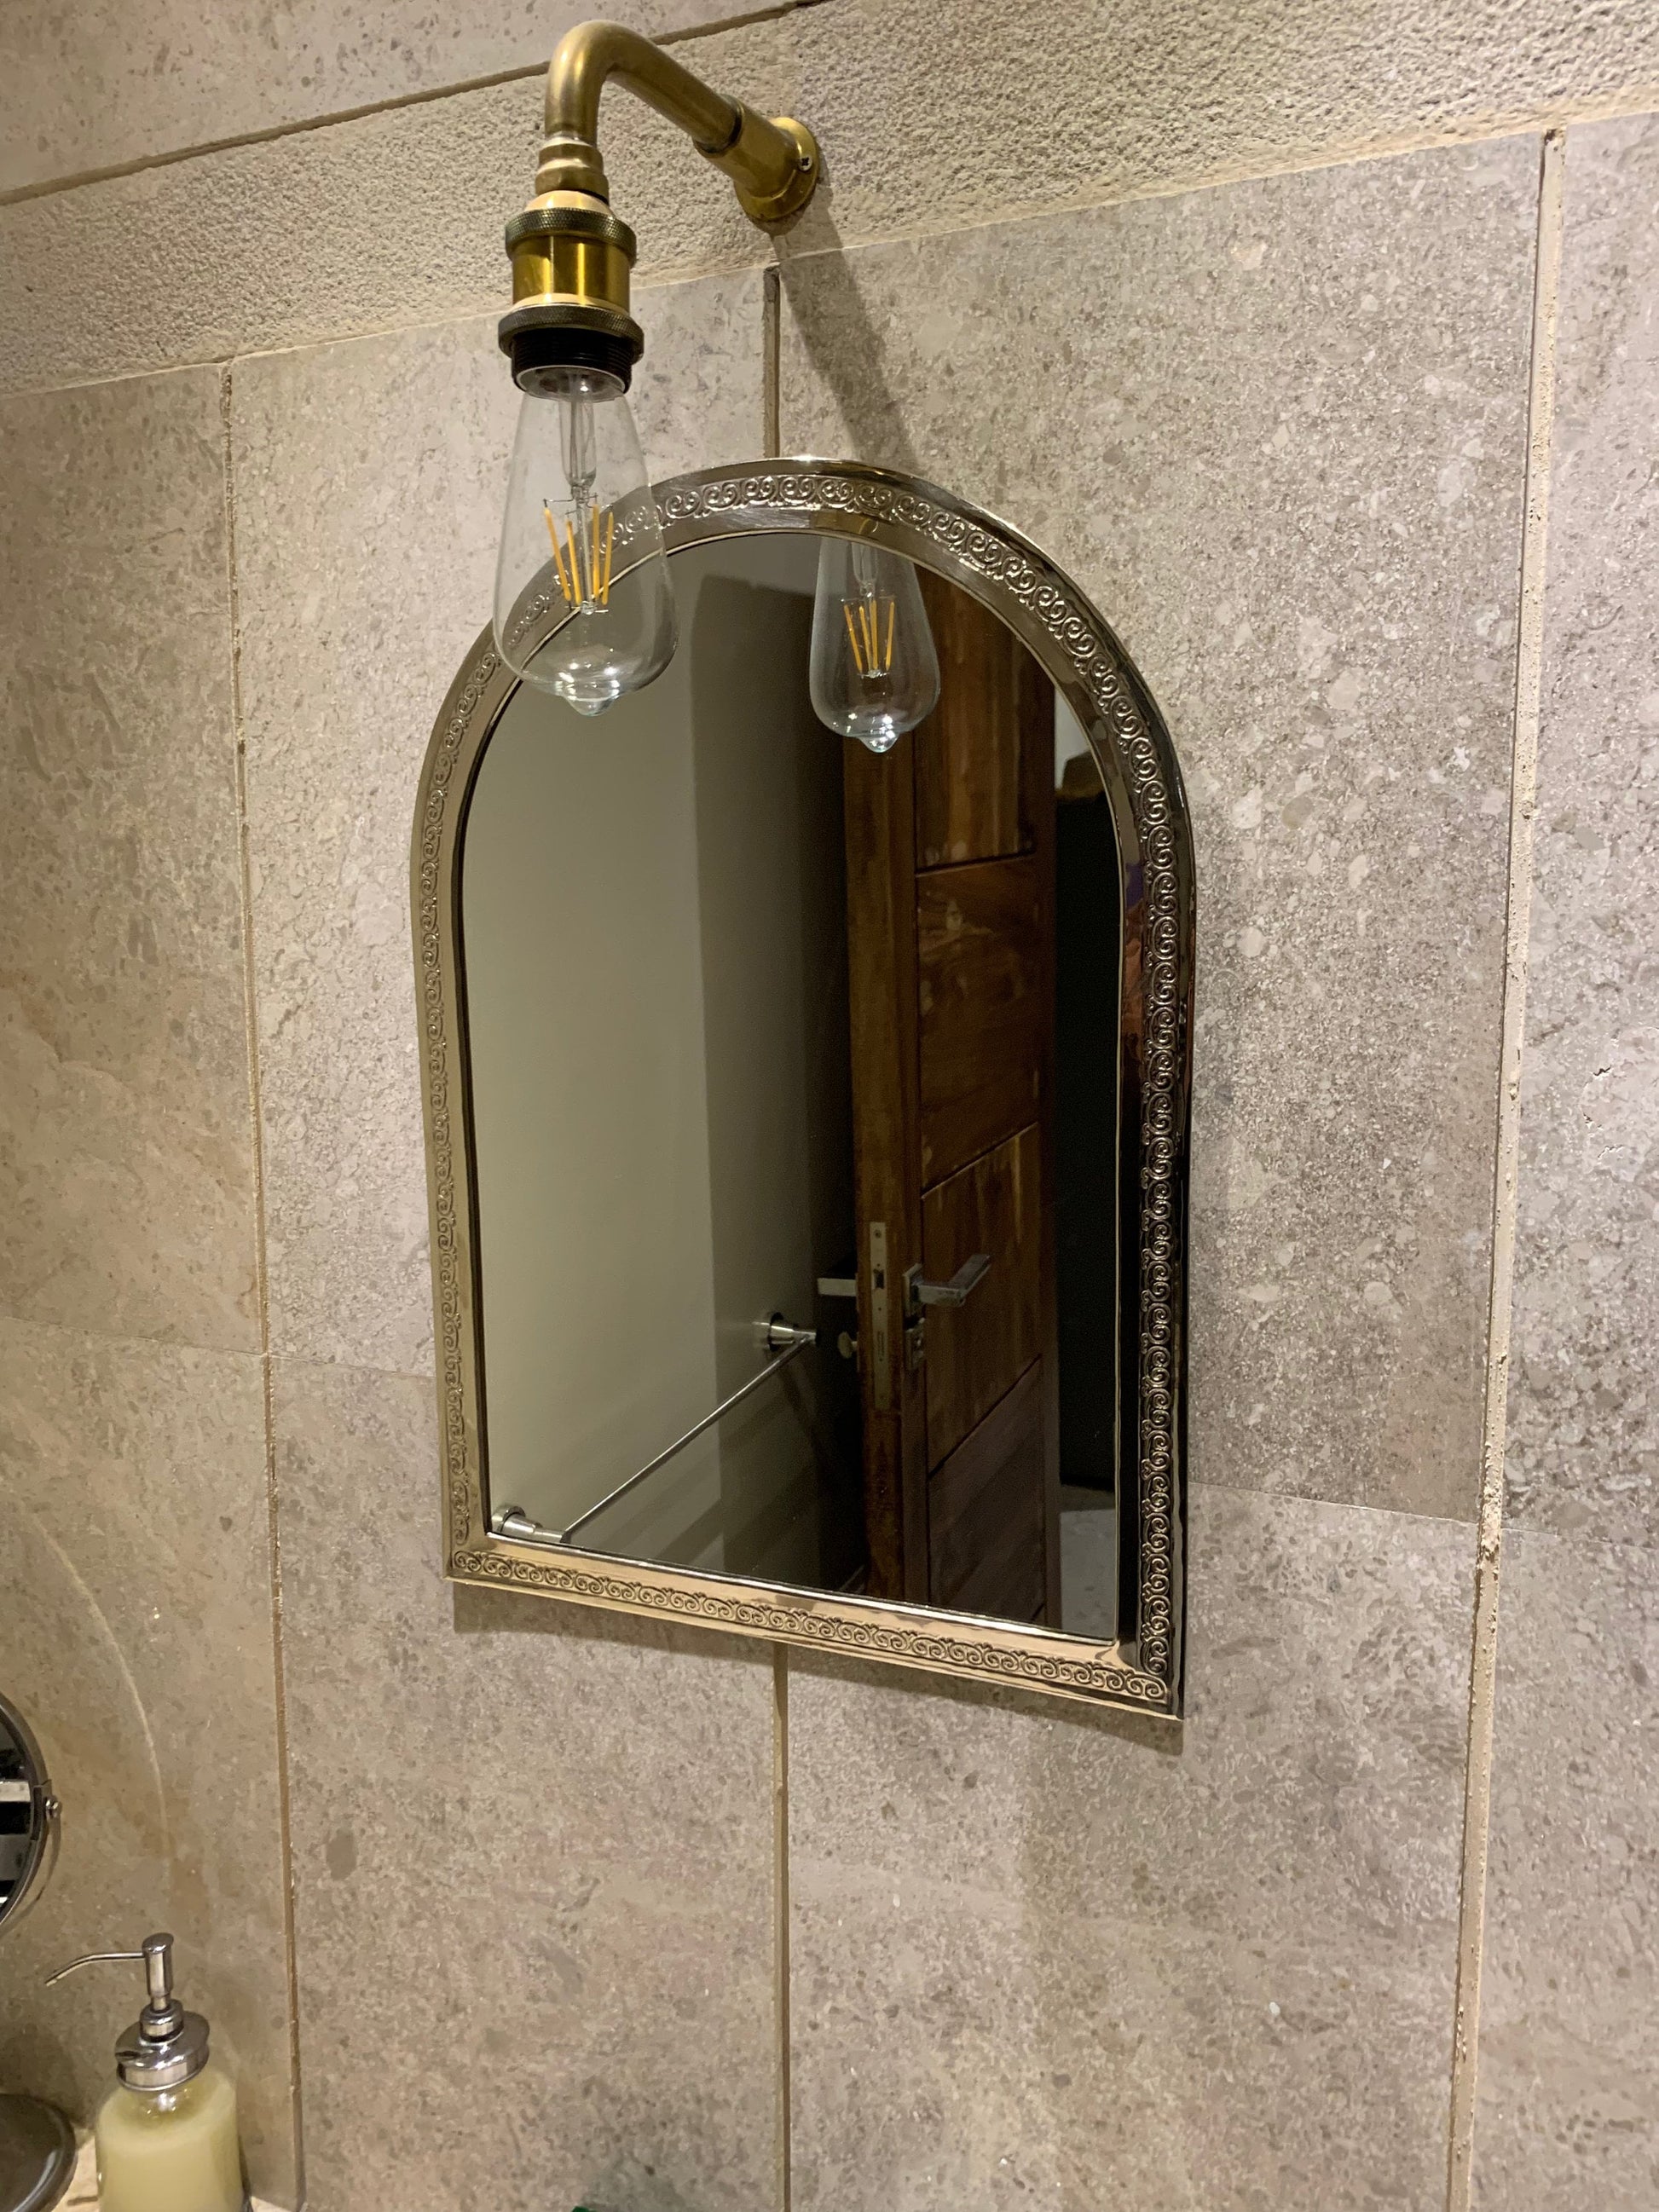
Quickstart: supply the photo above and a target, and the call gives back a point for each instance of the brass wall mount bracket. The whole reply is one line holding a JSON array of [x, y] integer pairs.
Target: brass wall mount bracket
[[572, 258]]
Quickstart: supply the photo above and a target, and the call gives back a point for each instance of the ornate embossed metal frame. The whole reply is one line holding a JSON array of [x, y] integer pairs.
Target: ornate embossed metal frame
[[1076, 649]]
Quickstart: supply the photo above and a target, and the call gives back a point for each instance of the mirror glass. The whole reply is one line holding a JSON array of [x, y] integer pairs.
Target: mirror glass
[[751, 1009], [27, 1811]]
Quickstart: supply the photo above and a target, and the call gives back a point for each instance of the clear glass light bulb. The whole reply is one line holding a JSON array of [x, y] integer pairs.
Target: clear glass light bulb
[[875, 673], [580, 532]]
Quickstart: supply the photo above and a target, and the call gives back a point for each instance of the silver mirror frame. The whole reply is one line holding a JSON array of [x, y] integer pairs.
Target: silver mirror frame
[[44, 1811], [1076, 649]]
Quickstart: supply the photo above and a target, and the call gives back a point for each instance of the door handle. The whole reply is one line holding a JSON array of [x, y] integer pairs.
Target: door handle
[[919, 1292]]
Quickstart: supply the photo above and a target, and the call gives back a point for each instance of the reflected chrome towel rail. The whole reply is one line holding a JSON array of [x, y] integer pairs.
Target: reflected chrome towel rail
[[784, 1344]]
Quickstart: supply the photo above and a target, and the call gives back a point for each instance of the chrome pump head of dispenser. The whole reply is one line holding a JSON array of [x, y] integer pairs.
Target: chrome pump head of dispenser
[[166, 2046]]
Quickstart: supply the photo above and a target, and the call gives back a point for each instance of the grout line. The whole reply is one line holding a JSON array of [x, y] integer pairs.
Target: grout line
[[1529, 687], [481, 310], [142, 165], [301, 127], [781, 1909], [771, 319], [1551, 120], [244, 887], [1546, 116]]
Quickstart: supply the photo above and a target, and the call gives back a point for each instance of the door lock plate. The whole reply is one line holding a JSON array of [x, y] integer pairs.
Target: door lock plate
[[881, 1347]]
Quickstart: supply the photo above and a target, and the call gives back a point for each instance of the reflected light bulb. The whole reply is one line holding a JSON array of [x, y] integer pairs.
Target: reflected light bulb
[[580, 537], [874, 672]]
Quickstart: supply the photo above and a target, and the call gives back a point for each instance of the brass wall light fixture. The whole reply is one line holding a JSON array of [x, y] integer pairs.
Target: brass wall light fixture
[[579, 489]]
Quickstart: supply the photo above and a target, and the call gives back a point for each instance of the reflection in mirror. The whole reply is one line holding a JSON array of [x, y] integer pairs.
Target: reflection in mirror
[[751, 1009]]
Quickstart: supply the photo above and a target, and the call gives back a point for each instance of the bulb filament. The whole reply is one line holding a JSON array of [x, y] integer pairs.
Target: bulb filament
[[583, 559], [871, 656]]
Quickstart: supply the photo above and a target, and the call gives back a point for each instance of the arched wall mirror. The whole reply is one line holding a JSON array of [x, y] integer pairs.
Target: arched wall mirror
[[807, 1125]]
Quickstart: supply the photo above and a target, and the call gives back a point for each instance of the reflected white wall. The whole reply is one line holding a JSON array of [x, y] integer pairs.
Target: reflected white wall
[[654, 933]]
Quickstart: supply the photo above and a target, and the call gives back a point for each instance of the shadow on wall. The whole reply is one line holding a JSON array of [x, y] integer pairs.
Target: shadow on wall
[[853, 366]]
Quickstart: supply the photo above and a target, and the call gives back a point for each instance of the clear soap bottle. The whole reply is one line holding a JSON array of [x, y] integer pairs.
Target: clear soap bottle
[[165, 2134]]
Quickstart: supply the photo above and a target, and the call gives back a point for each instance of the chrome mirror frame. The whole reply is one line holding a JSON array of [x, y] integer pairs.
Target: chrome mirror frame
[[1076, 648]]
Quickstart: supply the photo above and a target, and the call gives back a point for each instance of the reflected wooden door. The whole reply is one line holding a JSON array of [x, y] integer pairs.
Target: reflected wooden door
[[951, 903]]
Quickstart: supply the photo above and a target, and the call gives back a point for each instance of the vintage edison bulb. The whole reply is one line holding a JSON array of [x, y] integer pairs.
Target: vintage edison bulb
[[874, 673], [581, 535]]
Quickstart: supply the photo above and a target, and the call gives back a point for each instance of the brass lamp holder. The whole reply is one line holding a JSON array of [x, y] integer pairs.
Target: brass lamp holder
[[572, 257]]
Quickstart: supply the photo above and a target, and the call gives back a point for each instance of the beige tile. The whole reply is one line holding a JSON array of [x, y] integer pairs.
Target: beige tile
[[125, 1139], [532, 1860], [1583, 1436], [1276, 430], [368, 479], [1076, 102], [1049, 1959], [1568, 2117], [135, 1637], [80, 92]]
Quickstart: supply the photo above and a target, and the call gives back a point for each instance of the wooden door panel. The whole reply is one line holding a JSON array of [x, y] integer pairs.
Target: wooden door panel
[[986, 1511], [977, 1351], [950, 869], [983, 753], [984, 1008], [881, 914]]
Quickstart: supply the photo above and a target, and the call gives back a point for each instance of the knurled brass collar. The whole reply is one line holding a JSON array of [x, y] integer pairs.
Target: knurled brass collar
[[572, 215], [569, 245], [572, 262]]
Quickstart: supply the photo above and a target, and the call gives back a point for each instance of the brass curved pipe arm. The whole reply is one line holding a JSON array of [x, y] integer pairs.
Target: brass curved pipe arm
[[774, 165], [572, 257]]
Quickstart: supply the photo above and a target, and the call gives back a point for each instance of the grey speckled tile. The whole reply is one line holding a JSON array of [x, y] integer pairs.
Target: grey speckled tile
[[1568, 2117], [1049, 1959], [79, 91], [532, 1855], [284, 241], [1583, 1415], [126, 1156], [136, 1637], [368, 480], [1276, 430]]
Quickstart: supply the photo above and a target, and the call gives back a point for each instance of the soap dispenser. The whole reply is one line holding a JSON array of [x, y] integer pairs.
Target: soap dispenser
[[165, 2134]]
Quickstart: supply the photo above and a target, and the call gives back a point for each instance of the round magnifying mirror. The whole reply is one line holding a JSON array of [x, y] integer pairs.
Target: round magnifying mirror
[[29, 1815], [37, 2143]]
